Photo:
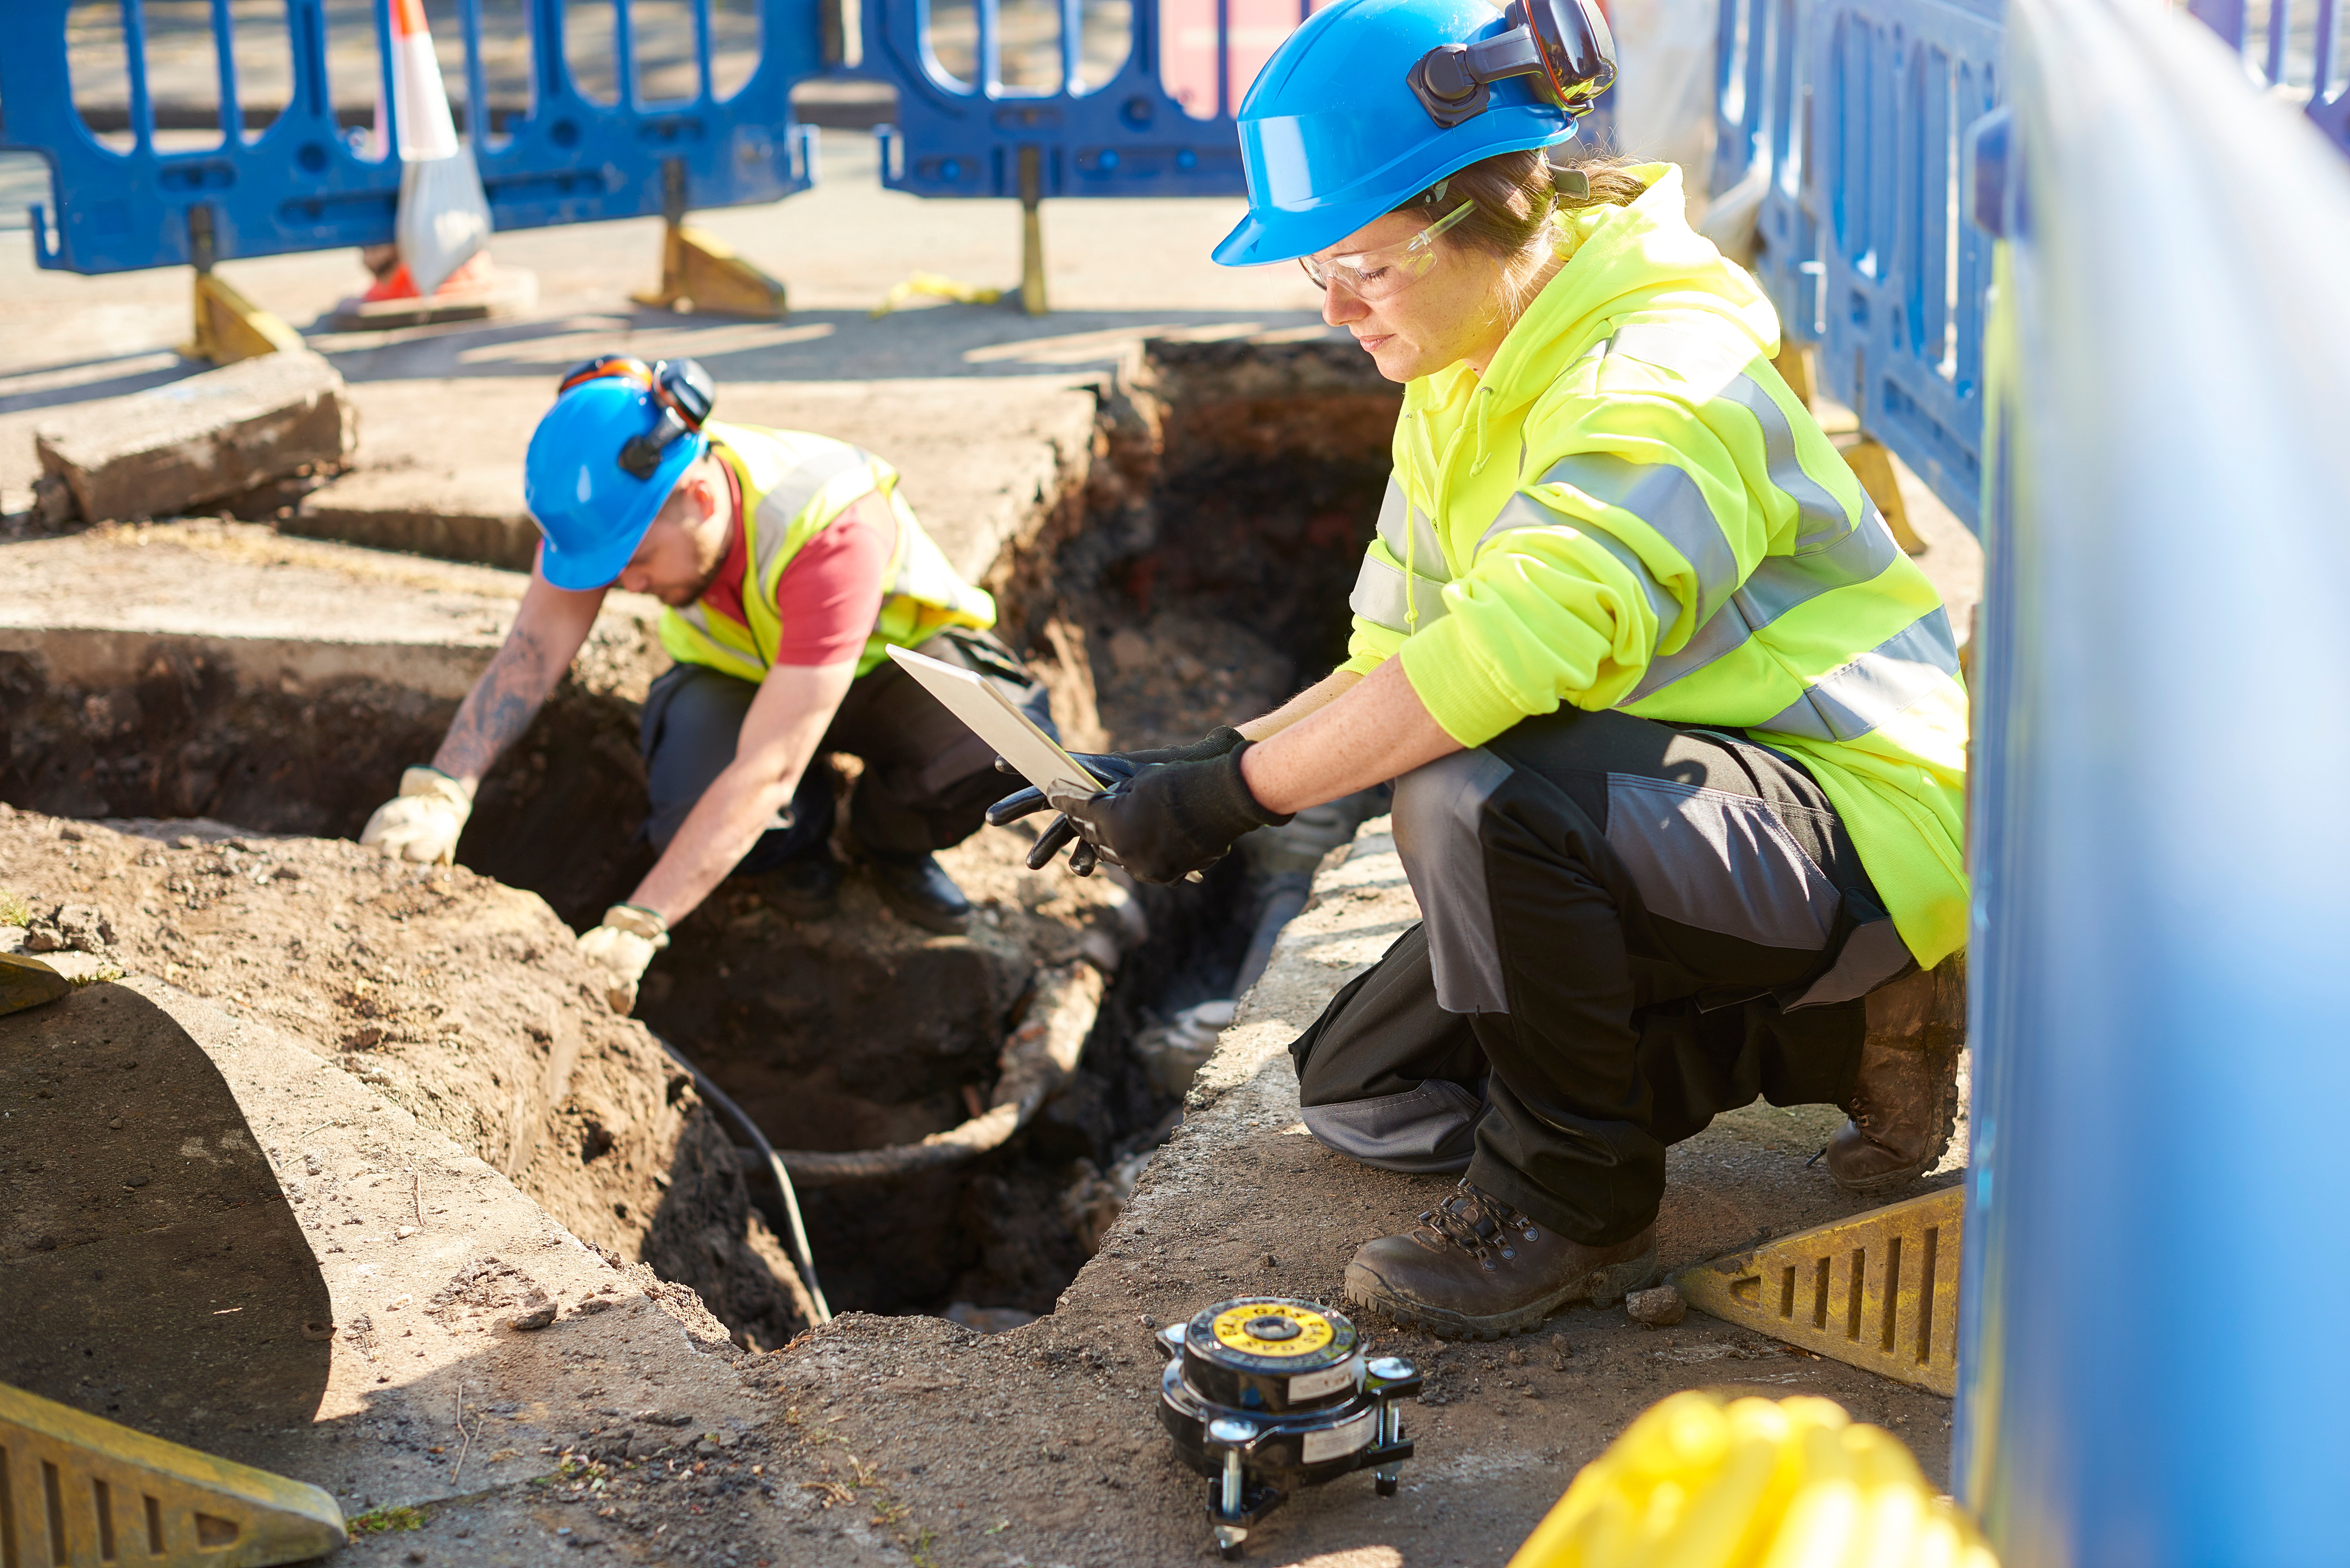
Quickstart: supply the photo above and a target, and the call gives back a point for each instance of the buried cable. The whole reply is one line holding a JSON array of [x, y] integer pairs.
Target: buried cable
[[801, 1253], [1036, 1060]]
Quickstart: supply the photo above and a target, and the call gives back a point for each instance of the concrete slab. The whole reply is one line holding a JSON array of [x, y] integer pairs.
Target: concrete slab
[[263, 1258], [441, 474], [158, 453], [276, 613]]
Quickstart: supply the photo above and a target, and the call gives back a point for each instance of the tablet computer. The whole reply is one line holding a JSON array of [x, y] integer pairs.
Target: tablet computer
[[1016, 737]]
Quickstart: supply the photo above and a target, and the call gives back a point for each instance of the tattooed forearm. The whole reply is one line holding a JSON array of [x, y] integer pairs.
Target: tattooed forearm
[[500, 707]]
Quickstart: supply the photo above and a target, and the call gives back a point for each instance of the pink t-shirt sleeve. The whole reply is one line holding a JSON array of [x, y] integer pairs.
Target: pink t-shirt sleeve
[[830, 596]]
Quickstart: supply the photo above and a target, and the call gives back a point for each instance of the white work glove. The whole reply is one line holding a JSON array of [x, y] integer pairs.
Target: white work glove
[[422, 821], [622, 947]]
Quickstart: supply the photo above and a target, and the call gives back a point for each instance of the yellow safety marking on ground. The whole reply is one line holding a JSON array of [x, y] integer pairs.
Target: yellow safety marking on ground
[[703, 273], [931, 286], [29, 982], [230, 326], [1879, 1290], [1231, 1329], [80, 1490]]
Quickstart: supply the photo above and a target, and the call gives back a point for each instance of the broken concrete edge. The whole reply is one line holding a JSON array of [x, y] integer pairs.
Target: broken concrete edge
[[268, 1055], [297, 1102], [421, 652], [1360, 903], [1104, 452], [220, 433]]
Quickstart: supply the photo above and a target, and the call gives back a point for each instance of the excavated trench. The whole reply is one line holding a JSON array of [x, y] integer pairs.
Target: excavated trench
[[1200, 575]]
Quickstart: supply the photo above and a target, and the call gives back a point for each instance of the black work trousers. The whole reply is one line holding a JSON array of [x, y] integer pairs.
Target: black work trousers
[[1628, 928], [927, 782]]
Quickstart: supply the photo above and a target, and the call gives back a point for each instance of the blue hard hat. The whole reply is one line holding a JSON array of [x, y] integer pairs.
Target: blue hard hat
[[592, 512], [1339, 129]]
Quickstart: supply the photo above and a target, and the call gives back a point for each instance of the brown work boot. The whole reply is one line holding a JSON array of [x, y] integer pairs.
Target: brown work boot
[[1475, 1268], [1905, 1104]]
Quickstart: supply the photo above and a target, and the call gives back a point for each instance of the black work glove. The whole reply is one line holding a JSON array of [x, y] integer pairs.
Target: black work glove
[[1113, 768], [1168, 820]]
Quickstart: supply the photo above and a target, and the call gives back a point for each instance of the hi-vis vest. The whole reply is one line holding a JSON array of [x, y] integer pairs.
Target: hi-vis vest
[[794, 486], [1781, 603]]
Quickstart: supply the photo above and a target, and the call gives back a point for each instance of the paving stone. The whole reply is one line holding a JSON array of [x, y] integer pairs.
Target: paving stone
[[163, 451]]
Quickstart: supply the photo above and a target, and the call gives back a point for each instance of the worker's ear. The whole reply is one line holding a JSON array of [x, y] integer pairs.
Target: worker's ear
[[696, 498]]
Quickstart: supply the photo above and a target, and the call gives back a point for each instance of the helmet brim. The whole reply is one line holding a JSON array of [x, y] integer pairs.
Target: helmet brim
[[1283, 234], [580, 571]]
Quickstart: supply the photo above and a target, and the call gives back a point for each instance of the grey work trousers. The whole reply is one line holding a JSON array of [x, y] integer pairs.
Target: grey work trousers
[[927, 780], [1628, 928]]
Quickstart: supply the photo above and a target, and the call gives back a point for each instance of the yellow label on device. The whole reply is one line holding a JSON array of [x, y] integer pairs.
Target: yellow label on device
[[1272, 1328]]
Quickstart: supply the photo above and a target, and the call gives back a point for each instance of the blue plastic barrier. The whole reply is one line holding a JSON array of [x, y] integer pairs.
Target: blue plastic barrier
[[1153, 119], [2300, 55], [1895, 85], [301, 185], [1127, 134], [1762, 97], [1850, 116], [2155, 1234]]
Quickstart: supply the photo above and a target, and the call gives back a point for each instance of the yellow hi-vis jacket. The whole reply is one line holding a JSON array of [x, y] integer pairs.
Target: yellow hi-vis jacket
[[794, 487], [1630, 510]]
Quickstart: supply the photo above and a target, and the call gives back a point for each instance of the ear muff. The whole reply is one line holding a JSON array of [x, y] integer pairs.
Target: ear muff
[[1565, 45], [685, 393]]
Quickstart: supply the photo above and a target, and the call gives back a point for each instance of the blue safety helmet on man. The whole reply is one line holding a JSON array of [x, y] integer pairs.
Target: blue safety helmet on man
[[606, 457], [1370, 102]]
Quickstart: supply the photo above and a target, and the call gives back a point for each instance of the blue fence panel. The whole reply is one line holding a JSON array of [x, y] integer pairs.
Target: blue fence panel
[[2158, 1021], [1762, 134], [1896, 84], [1142, 105], [2295, 46], [1109, 100], [303, 183]]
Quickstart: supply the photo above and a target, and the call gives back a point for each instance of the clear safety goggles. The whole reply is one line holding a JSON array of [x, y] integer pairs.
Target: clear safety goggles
[[1372, 276]]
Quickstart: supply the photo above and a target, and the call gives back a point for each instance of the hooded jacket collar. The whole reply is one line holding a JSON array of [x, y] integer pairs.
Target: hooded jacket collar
[[1620, 261]]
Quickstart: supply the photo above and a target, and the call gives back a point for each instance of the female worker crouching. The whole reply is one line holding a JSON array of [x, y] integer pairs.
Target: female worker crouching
[[1676, 730]]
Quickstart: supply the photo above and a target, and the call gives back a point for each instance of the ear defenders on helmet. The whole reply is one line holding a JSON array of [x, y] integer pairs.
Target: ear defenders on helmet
[[680, 389], [1564, 45]]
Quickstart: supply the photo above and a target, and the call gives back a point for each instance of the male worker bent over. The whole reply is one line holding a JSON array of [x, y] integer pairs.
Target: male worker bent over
[[789, 564]]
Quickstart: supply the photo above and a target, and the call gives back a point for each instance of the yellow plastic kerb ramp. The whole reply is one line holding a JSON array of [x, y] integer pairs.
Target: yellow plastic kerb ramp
[[1879, 1290], [81, 1490]]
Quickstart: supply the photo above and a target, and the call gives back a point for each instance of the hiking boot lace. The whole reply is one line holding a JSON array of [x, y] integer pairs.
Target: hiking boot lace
[[1479, 1224]]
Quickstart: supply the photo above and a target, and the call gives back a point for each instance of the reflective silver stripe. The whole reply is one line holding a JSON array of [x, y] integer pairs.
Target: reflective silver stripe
[[1848, 702], [1668, 500], [1378, 597], [1779, 584], [1823, 518], [1418, 546], [1524, 512], [781, 505]]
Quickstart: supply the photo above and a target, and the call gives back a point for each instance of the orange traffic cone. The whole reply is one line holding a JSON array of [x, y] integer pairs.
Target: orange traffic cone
[[444, 271]]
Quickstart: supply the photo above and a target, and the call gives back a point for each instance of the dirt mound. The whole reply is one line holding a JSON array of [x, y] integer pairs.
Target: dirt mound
[[462, 1000]]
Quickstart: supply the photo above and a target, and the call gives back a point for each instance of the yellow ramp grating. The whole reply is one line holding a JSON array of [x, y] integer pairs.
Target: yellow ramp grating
[[77, 1491], [1879, 1290]]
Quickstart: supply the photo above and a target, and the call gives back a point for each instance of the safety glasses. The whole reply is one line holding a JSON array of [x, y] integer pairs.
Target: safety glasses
[[680, 389], [1372, 276]]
